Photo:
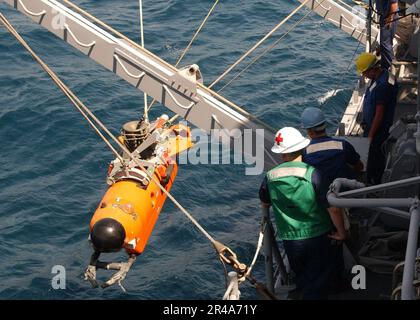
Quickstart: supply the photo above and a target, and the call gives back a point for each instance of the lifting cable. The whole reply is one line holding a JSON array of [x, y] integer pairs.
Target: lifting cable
[[197, 32], [220, 248], [279, 40], [247, 274], [256, 59], [340, 81], [184, 52], [246, 54], [225, 253], [238, 74], [146, 113], [201, 86], [85, 111], [60, 84]]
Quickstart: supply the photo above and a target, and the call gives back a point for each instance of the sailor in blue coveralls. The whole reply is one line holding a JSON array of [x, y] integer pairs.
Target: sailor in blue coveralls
[[386, 10], [378, 112], [334, 158]]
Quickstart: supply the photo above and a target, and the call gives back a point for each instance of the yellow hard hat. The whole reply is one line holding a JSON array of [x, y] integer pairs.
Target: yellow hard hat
[[365, 61]]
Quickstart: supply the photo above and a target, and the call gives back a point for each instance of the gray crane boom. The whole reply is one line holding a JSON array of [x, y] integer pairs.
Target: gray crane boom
[[180, 90]]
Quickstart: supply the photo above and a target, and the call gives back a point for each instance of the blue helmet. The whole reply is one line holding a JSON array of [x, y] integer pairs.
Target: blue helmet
[[312, 117]]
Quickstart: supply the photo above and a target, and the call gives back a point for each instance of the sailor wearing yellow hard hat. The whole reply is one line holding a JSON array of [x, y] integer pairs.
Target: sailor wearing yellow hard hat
[[378, 111], [367, 61], [296, 192]]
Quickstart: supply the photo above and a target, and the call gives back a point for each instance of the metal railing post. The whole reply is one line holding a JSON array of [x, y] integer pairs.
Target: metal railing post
[[407, 292], [278, 258], [268, 250], [418, 72], [360, 189], [417, 134], [369, 28]]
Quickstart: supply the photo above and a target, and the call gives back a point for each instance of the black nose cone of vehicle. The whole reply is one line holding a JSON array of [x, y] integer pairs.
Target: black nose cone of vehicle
[[107, 235]]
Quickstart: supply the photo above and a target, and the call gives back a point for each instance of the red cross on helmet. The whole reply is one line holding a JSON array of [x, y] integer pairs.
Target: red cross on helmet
[[279, 138], [289, 140]]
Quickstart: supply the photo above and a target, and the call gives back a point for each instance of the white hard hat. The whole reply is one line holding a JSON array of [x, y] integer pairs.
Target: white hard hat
[[289, 140]]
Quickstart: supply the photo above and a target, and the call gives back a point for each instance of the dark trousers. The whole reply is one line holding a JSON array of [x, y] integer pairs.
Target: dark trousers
[[386, 37], [337, 275], [376, 161], [310, 259]]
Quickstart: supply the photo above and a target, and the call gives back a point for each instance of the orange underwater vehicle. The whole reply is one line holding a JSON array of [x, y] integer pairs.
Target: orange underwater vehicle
[[126, 216]]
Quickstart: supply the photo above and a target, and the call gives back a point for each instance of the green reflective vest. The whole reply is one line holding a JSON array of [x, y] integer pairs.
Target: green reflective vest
[[297, 212]]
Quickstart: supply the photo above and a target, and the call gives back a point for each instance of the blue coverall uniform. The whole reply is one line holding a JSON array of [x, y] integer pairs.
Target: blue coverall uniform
[[386, 33], [332, 157], [381, 92]]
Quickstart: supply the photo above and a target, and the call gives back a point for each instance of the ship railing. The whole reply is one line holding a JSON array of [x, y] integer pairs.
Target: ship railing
[[274, 256], [389, 205]]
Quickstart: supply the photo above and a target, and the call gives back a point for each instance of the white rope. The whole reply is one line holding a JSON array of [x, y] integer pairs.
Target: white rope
[[184, 52], [257, 58], [141, 23], [350, 8], [257, 252], [233, 276], [228, 290], [259, 43], [84, 109], [346, 71], [59, 83], [196, 33], [146, 113], [35, 14], [132, 75], [80, 43], [201, 86]]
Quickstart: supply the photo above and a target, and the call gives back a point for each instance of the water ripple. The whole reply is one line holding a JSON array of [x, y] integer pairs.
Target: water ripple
[[52, 169]]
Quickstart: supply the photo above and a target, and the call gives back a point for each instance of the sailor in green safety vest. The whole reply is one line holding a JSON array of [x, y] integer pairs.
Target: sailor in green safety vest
[[296, 191]]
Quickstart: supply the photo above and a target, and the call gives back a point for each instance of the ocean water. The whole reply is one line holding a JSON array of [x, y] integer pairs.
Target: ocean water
[[53, 166]]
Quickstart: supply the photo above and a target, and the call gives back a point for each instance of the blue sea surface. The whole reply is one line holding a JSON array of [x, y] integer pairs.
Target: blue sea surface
[[53, 166]]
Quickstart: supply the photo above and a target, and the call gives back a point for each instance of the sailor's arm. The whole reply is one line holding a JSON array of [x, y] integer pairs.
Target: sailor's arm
[[392, 10], [264, 194], [337, 218], [358, 167], [336, 214], [353, 158]]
